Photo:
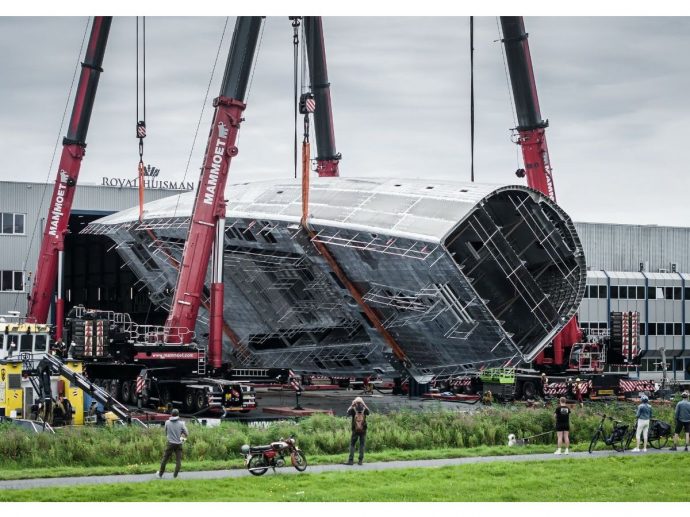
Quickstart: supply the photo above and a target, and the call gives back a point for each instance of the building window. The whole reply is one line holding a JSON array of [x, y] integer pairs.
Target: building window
[[651, 293], [11, 280], [652, 329], [643, 331], [602, 291], [614, 292], [11, 224]]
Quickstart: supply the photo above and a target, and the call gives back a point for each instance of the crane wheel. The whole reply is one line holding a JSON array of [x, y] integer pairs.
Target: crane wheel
[[127, 392], [200, 400], [189, 400]]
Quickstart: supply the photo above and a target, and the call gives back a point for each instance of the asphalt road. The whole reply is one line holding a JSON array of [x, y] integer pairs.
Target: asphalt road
[[220, 474]]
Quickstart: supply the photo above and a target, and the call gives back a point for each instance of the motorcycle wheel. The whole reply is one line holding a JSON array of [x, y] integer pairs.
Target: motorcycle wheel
[[255, 465], [299, 461]]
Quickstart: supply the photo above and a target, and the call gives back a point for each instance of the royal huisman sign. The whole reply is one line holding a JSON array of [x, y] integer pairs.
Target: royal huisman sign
[[150, 181]]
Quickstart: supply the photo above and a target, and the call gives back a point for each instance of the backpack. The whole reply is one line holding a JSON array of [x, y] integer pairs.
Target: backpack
[[359, 421]]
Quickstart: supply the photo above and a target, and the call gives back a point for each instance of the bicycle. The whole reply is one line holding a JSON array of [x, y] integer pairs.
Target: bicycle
[[659, 433], [617, 438]]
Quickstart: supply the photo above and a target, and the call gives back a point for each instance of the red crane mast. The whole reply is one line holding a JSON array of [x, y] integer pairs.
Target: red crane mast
[[208, 214], [74, 145], [535, 153]]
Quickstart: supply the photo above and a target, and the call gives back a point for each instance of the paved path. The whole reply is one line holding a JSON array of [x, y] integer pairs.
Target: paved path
[[221, 474]]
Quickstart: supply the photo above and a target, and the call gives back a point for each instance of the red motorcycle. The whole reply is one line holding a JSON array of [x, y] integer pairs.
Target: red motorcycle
[[258, 459]]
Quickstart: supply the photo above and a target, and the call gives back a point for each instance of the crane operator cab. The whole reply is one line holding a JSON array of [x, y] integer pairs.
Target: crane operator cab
[[18, 338]]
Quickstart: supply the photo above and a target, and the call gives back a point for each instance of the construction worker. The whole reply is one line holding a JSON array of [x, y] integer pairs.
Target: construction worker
[[682, 421], [578, 393]]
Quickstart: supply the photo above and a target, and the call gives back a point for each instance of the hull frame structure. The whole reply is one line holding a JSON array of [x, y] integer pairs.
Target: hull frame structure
[[462, 275]]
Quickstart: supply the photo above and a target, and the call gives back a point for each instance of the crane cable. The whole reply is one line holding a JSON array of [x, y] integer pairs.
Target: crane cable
[[472, 98], [295, 60], [513, 110], [141, 122]]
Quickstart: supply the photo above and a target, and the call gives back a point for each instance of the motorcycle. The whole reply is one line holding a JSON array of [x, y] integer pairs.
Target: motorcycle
[[258, 459]]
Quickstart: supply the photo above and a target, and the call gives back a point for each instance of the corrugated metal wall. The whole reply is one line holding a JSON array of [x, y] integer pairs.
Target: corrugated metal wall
[[20, 252], [618, 247]]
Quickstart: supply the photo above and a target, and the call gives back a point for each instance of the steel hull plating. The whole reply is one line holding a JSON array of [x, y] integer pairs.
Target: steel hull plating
[[460, 275]]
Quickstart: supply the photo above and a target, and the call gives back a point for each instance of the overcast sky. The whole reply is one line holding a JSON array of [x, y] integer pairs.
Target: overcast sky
[[616, 92]]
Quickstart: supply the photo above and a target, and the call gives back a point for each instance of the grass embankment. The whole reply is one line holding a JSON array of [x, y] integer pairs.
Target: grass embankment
[[325, 439], [656, 478]]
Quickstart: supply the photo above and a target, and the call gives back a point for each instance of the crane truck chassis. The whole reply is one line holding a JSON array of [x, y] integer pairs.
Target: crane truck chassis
[[136, 365]]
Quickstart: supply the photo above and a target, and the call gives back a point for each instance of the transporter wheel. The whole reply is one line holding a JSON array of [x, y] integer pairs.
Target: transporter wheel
[[200, 402], [188, 400], [164, 396], [127, 392], [114, 389]]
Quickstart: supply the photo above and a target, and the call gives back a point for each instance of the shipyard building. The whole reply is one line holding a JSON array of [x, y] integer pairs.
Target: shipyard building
[[638, 268]]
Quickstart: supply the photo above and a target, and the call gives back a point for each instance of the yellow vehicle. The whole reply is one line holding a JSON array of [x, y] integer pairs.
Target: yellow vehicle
[[22, 346]]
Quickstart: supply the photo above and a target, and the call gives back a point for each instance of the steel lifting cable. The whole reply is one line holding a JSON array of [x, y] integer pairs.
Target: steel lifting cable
[[508, 88], [141, 122], [52, 159], [203, 108], [295, 60], [472, 98]]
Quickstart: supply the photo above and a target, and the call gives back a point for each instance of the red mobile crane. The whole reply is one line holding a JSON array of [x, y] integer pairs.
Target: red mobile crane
[[165, 364], [567, 353], [535, 153], [74, 145]]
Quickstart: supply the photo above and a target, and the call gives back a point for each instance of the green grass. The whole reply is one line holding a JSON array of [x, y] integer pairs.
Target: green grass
[[320, 435], [657, 478]]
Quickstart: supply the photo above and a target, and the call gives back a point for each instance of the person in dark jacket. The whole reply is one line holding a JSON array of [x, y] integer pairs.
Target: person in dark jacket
[[176, 433], [682, 421], [359, 411]]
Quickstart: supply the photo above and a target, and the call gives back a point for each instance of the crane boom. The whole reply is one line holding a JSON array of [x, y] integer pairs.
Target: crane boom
[[209, 205], [74, 145], [532, 140], [327, 159]]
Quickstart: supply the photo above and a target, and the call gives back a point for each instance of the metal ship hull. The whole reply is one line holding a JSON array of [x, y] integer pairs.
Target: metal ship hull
[[461, 275]]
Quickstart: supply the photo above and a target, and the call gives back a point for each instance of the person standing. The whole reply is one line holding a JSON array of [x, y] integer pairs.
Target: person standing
[[644, 415], [359, 411], [176, 433], [563, 426], [578, 393], [682, 421]]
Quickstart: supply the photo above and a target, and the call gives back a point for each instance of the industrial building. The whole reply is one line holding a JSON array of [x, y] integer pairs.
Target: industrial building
[[93, 276], [643, 268]]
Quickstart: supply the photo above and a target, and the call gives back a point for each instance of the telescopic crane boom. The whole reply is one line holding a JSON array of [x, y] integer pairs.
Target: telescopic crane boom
[[532, 140], [74, 145], [208, 214], [328, 158]]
